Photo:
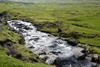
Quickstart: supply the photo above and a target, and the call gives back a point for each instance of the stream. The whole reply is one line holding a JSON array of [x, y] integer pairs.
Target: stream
[[54, 49]]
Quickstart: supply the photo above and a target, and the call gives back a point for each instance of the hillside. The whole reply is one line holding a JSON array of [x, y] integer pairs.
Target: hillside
[[82, 18], [78, 19]]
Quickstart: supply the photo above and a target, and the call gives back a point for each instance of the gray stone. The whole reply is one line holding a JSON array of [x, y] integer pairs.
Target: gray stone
[[94, 57], [77, 51], [52, 59]]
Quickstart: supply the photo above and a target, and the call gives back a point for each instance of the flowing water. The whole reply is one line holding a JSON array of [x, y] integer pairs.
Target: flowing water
[[54, 49]]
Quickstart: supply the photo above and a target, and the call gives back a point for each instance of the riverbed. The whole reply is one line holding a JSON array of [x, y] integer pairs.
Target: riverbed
[[55, 50]]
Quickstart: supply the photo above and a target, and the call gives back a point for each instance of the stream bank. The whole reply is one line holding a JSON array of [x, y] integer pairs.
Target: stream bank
[[54, 50]]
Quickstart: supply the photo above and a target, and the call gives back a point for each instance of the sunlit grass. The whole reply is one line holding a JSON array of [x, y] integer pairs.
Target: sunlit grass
[[83, 17]]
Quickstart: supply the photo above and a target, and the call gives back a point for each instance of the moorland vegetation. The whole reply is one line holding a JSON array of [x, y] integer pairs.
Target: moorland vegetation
[[78, 19]]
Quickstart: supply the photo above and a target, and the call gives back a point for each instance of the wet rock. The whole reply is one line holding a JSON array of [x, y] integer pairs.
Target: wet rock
[[49, 35], [31, 39], [28, 35], [81, 57], [54, 52], [57, 61], [31, 47], [52, 59], [35, 38], [24, 20], [89, 57], [42, 53], [14, 21], [19, 25], [69, 62], [95, 57], [72, 42], [27, 28], [77, 51], [44, 56], [53, 45], [21, 31]]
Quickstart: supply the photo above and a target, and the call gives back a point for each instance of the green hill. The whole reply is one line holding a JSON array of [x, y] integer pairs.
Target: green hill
[[77, 18]]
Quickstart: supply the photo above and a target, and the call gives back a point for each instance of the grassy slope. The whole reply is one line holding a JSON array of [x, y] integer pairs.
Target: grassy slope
[[7, 61], [82, 16]]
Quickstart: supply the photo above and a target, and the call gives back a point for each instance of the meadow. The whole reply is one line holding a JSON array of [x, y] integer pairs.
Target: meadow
[[82, 17]]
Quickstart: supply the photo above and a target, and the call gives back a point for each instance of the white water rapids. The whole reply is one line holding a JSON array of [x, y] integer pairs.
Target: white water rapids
[[54, 49]]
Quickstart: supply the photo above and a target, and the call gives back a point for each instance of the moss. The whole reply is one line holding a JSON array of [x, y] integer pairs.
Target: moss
[[70, 38], [93, 49], [8, 35], [2, 37], [7, 51], [96, 50], [80, 45], [22, 41]]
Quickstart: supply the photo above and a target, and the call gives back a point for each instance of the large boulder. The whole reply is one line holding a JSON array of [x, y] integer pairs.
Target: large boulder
[[89, 57], [53, 59], [72, 42], [77, 52]]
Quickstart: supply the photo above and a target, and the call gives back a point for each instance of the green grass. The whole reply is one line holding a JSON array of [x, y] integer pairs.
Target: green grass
[[82, 16], [8, 34]]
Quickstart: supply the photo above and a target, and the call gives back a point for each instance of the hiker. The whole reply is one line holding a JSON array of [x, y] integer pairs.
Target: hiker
[[59, 31]]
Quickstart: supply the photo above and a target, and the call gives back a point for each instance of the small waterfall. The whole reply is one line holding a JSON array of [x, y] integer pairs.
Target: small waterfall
[[54, 50]]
